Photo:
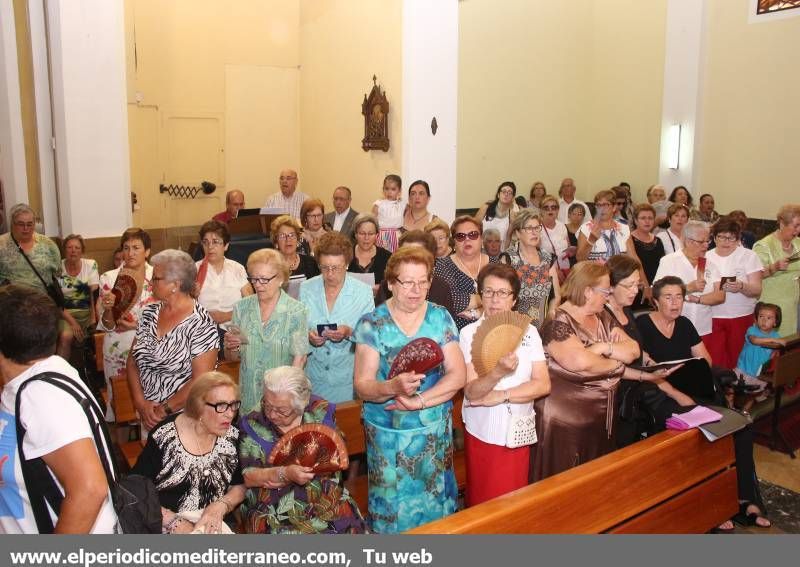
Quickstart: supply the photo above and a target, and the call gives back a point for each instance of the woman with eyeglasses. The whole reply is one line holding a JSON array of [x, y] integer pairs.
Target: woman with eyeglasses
[[461, 269], [408, 418], [335, 303], [702, 278], [603, 237], [221, 282], [368, 257], [509, 389], [499, 212], [587, 352], [176, 341], [290, 499], [268, 329], [312, 216], [286, 234], [742, 273], [536, 269], [555, 236], [672, 237], [192, 459]]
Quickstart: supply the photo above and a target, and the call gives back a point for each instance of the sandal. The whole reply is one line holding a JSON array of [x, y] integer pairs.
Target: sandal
[[725, 527], [752, 517]]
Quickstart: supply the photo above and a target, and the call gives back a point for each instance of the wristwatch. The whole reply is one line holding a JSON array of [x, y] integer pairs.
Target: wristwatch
[[166, 408]]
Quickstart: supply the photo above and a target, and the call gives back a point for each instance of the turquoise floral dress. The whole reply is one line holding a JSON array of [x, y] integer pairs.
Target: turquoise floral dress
[[321, 506], [409, 453]]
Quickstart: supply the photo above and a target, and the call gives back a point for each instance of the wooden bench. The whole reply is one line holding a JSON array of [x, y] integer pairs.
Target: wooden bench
[[784, 372], [673, 482]]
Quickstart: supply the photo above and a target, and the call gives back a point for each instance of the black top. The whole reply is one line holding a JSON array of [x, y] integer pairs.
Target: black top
[[650, 254], [306, 267], [631, 329], [661, 348], [377, 266], [186, 481]]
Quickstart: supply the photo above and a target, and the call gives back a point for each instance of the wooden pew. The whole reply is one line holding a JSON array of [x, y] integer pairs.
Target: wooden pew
[[785, 371], [673, 482]]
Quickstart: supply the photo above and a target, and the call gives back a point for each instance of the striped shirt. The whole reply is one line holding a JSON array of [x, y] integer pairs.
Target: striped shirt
[[291, 205]]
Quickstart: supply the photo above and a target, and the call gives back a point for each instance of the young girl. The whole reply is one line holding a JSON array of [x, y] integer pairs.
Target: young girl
[[389, 212], [759, 341]]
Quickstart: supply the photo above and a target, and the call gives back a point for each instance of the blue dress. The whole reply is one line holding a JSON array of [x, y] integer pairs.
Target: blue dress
[[409, 453], [330, 366], [753, 357]]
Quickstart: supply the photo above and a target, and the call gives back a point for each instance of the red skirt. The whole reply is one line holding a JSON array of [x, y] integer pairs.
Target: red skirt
[[493, 470]]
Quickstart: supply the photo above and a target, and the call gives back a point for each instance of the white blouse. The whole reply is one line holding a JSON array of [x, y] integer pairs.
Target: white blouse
[[222, 290]]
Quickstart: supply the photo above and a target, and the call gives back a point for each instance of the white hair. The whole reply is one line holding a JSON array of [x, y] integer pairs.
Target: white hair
[[290, 380]]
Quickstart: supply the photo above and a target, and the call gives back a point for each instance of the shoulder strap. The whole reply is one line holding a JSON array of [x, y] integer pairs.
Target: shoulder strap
[[21, 251], [35, 472]]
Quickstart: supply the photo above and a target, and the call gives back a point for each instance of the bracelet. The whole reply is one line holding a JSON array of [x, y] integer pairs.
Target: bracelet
[[228, 505], [166, 408], [641, 375], [506, 397], [610, 349], [170, 527], [421, 400], [282, 474]]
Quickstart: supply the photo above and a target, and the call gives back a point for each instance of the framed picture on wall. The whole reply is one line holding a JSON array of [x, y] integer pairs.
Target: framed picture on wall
[[772, 6]]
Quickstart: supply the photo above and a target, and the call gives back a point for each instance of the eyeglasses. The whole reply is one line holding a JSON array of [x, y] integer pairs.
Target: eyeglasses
[[261, 281], [222, 407], [157, 278], [409, 284], [287, 236], [728, 238], [210, 243], [698, 242], [462, 236], [550, 208], [506, 191], [602, 205], [282, 178], [604, 291], [20, 224], [621, 203], [314, 216], [630, 286], [366, 234], [281, 412], [331, 269], [532, 229], [501, 293]]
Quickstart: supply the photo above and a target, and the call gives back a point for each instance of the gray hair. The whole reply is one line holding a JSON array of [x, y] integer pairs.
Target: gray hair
[[178, 267], [693, 227], [19, 209], [365, 217], [523, 216], [289, 380], [491, 232]]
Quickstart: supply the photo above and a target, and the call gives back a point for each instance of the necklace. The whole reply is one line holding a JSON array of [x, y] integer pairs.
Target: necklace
[[200, 454], [463, 266], [415, 219], [294, 263]]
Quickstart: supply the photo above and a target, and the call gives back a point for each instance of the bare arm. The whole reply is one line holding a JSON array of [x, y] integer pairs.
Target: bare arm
[[537, 387], [479, 216], [584, 247], [700, 350], [79, 470], [573, 356], [200, 365], [556, 290], [365, 380], [451, 381]]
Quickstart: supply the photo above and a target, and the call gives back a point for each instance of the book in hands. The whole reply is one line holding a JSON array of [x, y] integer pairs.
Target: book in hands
[[667, 364]]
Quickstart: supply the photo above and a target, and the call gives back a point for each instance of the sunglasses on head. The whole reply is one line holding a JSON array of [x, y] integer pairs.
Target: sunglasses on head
[[462, 236]]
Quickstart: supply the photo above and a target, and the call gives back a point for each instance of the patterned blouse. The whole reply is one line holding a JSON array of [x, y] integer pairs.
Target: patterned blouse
[[15, 269], [461, 285], [186, 481], [536, 284], [165, 363]]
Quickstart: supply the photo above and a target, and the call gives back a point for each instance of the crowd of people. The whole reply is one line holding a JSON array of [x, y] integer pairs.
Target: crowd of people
[[322, 315]]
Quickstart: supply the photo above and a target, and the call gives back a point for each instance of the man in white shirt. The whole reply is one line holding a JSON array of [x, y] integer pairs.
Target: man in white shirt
[[567, 197], [56, 428], [342, 216], [288, 198]]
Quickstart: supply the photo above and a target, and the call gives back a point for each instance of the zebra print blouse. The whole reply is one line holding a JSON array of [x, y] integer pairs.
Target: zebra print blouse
[[165, 363]]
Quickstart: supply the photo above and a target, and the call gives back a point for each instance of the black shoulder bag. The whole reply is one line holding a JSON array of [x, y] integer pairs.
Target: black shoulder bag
[[53, 288], [135, 498]]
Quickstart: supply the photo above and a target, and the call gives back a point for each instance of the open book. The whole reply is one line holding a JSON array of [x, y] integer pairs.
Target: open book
[[666, 364]]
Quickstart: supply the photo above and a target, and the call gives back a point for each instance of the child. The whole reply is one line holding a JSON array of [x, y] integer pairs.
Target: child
[[759, 341], [389, 212]]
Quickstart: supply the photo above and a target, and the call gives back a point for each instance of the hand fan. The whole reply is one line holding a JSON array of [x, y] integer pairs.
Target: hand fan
[[498, 335], [127, 290], [419, 356], [311, 445]]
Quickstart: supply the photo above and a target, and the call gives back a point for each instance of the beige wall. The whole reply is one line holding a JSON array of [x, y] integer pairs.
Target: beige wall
[[751, 133], [555, 89], [342, 44]]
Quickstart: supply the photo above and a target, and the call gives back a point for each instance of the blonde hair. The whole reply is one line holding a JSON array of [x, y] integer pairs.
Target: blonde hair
[[280, 222], [408, 255], [583, 275], [270, 257], [202, 386]]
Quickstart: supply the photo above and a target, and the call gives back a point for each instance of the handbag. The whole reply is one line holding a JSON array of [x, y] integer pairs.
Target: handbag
[[53, 288], [521, 429]]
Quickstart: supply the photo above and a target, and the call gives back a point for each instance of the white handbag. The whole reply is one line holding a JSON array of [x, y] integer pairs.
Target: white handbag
[[521, 429]]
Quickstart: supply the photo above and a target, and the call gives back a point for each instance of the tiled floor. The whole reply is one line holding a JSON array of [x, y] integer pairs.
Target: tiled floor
[[778, 468]]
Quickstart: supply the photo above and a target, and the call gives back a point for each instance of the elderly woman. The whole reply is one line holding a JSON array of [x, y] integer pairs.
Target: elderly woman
[[538, 191], [649, 249], [731, 318], [220, 282], [416, 215], [79, 281], [286, 233], [408, 418], [499, 212], [536, 269], [575, 219], [672, 236], [461, 269], [441, 234], [192, 459], [369, 258], [508, 390], [603, 237], [32, 259], [119, 334], [667, 335], [290, 499], [176, 341], [702, 278], [333, 298], [657, 197], [492, 244], [780, 274], [587, 353], [555, 236], [312, 215]]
